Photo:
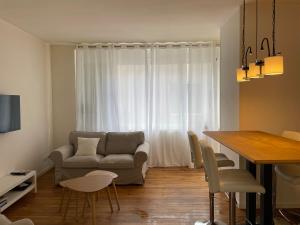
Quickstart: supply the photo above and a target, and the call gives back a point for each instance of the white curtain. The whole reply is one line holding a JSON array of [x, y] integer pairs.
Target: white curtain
[[163, 91]]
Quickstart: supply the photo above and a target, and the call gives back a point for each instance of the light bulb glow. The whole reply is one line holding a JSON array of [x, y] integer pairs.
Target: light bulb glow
[[274, 65], [254, 71], [241, 75]]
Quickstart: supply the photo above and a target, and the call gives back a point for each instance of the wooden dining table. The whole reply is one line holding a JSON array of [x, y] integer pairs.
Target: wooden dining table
[[264, 150]]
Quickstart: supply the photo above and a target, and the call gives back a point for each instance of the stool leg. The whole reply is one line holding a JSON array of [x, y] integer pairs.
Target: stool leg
[[212, 220], [116, 194], [232, 209], [109, 199]]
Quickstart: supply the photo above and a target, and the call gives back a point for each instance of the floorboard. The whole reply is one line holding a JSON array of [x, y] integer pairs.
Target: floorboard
[[169, 196]]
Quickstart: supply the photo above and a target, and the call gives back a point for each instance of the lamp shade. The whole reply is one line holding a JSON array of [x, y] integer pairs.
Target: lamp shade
[[241, 75], [274, 65], [255, 71]]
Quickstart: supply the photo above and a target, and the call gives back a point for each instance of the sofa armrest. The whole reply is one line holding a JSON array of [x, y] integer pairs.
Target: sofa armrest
[[141, 154], [4, 220], [60, 154], [22, 222]]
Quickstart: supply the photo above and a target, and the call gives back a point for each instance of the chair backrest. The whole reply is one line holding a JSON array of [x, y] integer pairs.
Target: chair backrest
[[195, 149], [294, 135], [211, 168]]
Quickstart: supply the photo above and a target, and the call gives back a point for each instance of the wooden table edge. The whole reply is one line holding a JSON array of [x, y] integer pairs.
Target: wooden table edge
[[207, 133]]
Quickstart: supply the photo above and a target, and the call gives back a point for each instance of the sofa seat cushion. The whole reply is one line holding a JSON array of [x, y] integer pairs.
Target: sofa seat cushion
[[116, 161], [82, 161]]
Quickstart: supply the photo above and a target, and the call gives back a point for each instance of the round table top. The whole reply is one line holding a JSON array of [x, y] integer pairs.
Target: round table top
[[102, 172], [87, 183]]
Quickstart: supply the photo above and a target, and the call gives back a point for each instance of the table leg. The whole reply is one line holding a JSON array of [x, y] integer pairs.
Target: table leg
[[62, 199], [266, 206], [109, 199], [116, 194], [68, 203], [85, 201], [76, 204], [93, 208], [97, 196], [251, 198]]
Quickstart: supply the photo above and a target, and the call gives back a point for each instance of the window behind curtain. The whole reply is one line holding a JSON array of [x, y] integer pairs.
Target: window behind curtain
[[162, 91]]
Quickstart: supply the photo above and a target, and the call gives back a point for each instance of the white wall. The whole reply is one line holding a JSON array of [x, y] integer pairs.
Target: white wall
[[63, 84], [230, 59], [229, 89], [25, 71]]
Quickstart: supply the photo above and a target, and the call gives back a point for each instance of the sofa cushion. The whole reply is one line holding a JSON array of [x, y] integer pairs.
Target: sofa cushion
[[123, 142], [82, 161], [116, 161], [87, 146], [73, 138]]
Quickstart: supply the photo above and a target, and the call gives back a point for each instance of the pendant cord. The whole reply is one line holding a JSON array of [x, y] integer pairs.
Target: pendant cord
[[256, 32], [274, 27], [244, 22]]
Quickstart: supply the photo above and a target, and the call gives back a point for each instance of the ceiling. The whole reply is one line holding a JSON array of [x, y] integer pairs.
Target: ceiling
[[61, 21]]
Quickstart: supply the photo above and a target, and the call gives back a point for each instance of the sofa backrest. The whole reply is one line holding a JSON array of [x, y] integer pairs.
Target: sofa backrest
[[123, 142], [73, 138]]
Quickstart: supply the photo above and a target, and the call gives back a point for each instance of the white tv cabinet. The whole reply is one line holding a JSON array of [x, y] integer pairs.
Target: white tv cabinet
[[9, 182]]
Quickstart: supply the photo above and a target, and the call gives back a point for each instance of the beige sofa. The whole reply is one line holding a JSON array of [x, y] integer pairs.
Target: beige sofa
[[125, 153]]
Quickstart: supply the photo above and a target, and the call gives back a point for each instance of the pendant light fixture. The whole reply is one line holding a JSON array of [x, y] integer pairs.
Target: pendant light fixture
[[273, 65], [256, 69], [242, 73]]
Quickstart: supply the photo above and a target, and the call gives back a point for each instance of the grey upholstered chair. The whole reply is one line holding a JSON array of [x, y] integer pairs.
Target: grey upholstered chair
[[221, 159], [288, 172], [195, 149], [230, 180], [195, 145]]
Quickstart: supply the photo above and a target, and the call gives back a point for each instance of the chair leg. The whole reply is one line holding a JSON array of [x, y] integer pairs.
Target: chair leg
[[232, 208]]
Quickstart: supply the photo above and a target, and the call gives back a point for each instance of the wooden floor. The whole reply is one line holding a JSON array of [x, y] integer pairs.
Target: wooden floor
[[169, 196]]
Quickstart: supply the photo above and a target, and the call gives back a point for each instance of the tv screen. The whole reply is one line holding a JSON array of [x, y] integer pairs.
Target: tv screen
[[9, 113]]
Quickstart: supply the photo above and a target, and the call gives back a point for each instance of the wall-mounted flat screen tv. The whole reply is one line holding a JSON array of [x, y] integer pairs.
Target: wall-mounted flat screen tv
[[9, 113]]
